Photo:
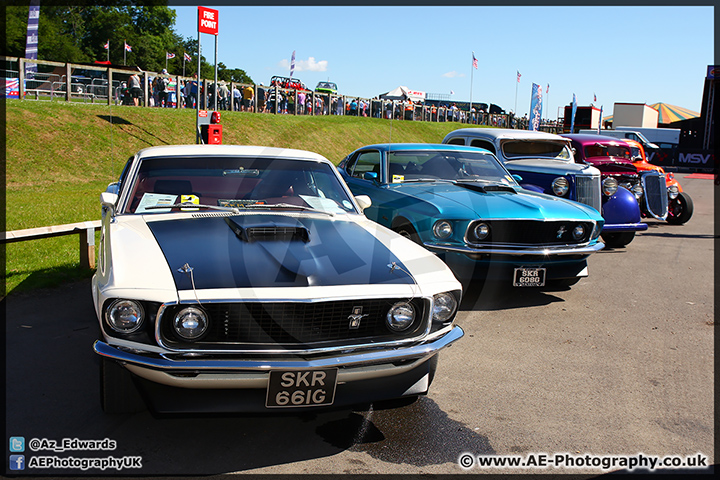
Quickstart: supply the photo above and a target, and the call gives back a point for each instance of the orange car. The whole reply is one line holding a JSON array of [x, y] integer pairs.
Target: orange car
[[680, 205]]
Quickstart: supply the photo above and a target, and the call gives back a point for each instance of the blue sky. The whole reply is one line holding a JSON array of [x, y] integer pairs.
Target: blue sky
[[639, 54]]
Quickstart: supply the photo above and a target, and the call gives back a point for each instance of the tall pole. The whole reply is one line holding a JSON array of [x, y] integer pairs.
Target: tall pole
[[517, 83], [197, 94], [472, 67], [215, 95]]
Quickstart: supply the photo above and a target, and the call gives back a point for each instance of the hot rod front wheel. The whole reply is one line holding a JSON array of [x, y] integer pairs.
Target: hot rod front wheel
[[680, 210], [614, 240]]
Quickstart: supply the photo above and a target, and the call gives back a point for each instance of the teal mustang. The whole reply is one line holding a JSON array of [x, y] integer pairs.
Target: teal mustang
[[462, 204]]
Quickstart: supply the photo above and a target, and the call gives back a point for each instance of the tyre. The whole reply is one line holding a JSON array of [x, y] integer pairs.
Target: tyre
[[118, 393], [620, 239], [680, 210], [407, 231]]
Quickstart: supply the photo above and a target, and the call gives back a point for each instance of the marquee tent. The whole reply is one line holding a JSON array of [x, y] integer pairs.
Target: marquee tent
[[671, 113], [403, 93]]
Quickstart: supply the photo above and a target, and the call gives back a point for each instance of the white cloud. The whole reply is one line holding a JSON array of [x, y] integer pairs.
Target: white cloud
[[453, 74], [309, 65]]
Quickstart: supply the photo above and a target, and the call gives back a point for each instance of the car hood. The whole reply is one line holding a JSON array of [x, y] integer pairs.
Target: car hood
[[608, 165], [255, 251], [557, 167], [467, 201]]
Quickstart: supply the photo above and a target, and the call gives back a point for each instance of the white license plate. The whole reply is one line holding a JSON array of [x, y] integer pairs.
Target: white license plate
[[529, 277], [301, 388]]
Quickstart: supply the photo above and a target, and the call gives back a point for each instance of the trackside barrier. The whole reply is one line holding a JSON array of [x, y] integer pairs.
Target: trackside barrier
[[85, 230], [107, 85]]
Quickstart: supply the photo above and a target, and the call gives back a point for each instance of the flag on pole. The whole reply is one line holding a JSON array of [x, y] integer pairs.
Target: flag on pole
[[535, 107], [572, 117], [600, 121], [474, 61], [292, 64], [594, 97], [452, 92], [547, 90], [128, 48], [107, 45], [187, 57], [169, 55], [518, 73]]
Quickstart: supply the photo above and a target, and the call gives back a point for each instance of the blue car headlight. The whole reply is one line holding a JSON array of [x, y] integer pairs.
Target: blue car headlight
[[442, 229]]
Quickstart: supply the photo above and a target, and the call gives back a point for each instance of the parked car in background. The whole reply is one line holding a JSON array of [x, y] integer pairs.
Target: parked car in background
[[238, 278], [680, 205], [326, 87], [623, 187], [544, 161], [461, 203]]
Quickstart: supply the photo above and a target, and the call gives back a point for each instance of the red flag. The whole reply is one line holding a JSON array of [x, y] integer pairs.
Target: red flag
[[107, 45], [518, 76], [169, 55], [128, 47], [474, 61]]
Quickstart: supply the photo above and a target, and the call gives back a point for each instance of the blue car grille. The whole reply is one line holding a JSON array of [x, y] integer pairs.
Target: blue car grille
[[530, 232], [294, 324], [587, 190], [655, 191]]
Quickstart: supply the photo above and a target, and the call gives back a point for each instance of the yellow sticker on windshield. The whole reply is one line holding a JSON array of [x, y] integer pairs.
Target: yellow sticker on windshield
[[189, 199], [398, 178]]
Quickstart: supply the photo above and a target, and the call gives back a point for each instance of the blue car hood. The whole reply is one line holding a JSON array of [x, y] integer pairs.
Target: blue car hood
[[223, 253], [466, 200]]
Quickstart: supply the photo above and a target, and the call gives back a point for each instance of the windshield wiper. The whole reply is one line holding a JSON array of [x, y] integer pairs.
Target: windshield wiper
[[194, 205], [287, 205], [408, 180]]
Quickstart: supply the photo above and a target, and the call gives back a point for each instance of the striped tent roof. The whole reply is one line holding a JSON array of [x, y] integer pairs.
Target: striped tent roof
[[666, 113], [672, 113]]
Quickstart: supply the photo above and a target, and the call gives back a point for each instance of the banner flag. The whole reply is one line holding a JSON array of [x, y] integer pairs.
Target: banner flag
[[572, 117], [475, 62], [535, 107], [292, 64], [169, 55], [31, 45]]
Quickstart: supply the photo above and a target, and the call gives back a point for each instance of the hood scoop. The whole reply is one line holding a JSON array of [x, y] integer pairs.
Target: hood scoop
[[486, 188], [269, 232]]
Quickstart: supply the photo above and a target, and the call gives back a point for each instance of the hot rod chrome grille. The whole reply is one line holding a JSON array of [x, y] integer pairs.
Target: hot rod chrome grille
[[530, 233], [294, 323], [656, 200], [588, 191]]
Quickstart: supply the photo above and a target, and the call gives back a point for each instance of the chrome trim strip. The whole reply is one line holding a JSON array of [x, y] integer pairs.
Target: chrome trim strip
[[492, 250], [162, 362]]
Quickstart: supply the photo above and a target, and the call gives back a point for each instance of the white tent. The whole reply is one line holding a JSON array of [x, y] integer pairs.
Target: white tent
[[403, 93]]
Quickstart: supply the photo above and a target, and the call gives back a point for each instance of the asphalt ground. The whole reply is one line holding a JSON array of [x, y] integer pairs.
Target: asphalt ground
[[620, 364]]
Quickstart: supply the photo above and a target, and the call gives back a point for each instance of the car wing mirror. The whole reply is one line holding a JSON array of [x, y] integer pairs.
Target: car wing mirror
[[370, 176], [363, 201], [108, 201], [517, 178]]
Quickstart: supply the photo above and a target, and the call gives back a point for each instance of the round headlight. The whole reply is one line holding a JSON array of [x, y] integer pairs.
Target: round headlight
[[560, 186], [400, 316], [481, 231], [125, 316], [444, 307], [442, 229], [609, 186], [673, 192], [637, 191], [190, 323], [578, 232]]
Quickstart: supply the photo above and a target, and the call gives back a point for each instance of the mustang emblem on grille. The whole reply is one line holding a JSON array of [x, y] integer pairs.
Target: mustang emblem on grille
[[356, 317], [560, 231]]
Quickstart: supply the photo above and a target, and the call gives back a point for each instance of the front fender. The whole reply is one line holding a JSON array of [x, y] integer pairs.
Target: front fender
[[621, 208], [532, 188]]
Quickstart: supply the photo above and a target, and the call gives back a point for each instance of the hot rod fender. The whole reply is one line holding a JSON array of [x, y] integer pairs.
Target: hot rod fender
[[532, 188], [621, 208]]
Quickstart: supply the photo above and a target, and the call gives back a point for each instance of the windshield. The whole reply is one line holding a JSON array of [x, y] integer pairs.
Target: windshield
[[327, 85], [602, 150], [516, 149], [236, 182], [408, 166]]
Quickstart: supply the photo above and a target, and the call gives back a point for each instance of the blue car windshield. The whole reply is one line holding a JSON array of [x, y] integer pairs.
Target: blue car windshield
[[236, 182], [431, 165]]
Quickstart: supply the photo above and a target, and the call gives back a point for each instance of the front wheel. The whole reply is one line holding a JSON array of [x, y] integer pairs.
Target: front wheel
[[680, 210], [620, 239], [118, 393], [407, 231]]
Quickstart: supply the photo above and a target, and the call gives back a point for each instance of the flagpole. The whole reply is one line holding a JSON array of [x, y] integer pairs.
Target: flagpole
[[166, 60], [125, 52], [472, 67], [108, 50], [517, 83]]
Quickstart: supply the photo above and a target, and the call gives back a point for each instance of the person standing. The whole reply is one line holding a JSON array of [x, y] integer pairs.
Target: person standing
[[135, 90], [248, 98]]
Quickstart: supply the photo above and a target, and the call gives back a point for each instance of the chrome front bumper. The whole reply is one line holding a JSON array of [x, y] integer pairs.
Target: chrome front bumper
[[173, 369], [544, 251]]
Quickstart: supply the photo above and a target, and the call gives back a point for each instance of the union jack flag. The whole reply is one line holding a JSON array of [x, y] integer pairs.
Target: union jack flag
[[474, 61], [127, 47], [519, 76], [187, 57], [107, 45], [594, 98], [169, 55], [547, 90]]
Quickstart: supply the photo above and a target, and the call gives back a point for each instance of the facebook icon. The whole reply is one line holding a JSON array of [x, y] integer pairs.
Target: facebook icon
[[17, 462]]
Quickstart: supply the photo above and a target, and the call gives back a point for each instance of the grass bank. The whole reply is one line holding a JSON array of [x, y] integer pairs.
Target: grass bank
[[60, 156]]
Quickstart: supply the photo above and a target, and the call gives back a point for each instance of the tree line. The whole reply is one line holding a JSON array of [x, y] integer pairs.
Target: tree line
[[78, 33]]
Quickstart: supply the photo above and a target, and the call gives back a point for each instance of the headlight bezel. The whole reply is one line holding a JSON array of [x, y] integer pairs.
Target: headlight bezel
[[609, 186], [442, 229], [560, 186], [391, 320], [444, 307], [199, 313], [112, 321], [673, 192]]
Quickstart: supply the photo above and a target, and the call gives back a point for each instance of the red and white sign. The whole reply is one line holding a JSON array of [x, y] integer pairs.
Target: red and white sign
[[202, 114], [208, 20]]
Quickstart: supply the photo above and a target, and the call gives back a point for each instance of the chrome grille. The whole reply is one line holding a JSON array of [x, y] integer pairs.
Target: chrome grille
[[530, 232], [588, 190], [655, 191], [294, 323]]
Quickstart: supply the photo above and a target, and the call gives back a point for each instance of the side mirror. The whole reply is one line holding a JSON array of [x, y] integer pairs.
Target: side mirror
[[363, 201], [108, 201], [113, 188], [370, 176], [517, 178]]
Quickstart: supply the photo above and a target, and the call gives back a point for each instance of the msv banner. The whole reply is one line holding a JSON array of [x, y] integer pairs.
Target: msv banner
[[535, 107]]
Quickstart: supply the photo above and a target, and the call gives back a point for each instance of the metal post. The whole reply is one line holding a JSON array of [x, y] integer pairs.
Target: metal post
[[21, 78], [68, 82], [110, 89], [198, 139]]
